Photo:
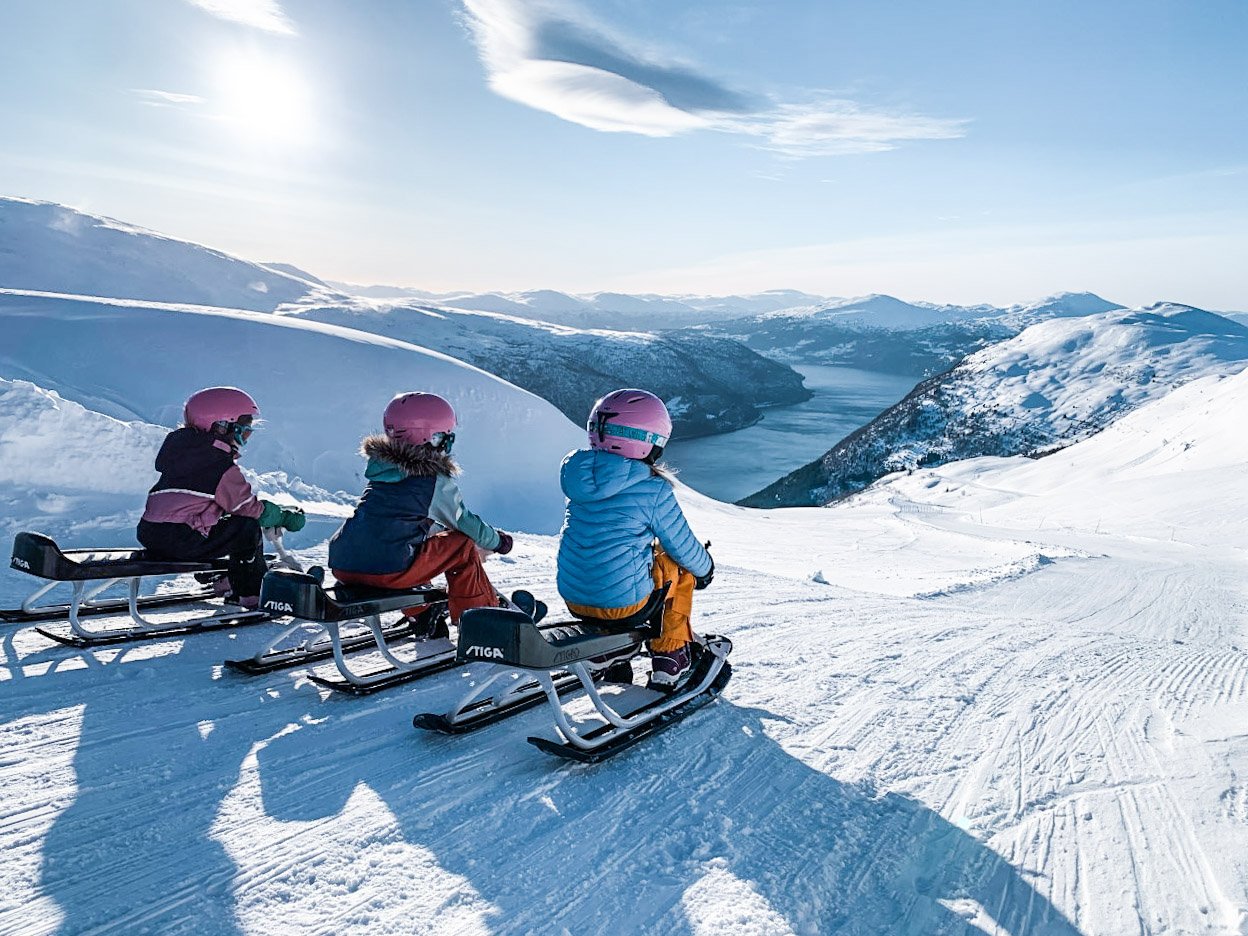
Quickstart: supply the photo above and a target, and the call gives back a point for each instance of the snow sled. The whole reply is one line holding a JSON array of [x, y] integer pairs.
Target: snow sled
[[302, 596], [558, 655], [92, 572]]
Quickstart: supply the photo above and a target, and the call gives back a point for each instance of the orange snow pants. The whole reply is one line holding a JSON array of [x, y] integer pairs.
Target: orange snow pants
[[449, 553], [677, 607]]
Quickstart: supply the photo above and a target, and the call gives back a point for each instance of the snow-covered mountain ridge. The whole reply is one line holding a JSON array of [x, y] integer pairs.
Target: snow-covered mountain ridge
[[882, 333], [52, 248], [1055, 383], [630, 312], [711, 384]]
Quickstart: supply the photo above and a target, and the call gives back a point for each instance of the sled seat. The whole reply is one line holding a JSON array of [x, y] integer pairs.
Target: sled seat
[[300, 595], [39, 555], [501, 635]]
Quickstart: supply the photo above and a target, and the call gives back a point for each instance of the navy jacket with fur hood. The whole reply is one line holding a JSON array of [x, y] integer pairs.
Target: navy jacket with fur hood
[[411, 494]]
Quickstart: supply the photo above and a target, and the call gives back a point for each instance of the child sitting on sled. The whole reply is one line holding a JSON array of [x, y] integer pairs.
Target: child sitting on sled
[[202, 507], [411, 523], [624, 533]]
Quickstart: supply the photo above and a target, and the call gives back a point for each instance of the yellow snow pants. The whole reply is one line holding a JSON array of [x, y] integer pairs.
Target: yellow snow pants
[[677, 607]]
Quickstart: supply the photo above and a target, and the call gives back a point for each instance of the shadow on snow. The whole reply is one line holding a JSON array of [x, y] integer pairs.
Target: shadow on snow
[[587, 848]]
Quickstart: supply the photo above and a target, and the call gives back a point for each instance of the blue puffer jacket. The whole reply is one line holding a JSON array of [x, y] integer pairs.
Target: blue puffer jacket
[[616, 508]]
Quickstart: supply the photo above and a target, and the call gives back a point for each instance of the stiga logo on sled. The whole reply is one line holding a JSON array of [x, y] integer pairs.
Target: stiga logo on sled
[[492, 653], [18, 562], [281, 606]]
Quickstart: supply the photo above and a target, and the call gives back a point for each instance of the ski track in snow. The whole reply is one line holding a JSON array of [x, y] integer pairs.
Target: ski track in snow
[[1044, 732]]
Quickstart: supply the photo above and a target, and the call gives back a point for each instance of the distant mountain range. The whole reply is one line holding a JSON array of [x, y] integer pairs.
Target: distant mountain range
[[644, 312], [882, 333], [1055, 383]]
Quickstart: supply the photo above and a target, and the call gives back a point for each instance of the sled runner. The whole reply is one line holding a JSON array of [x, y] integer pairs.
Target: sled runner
[[301, 596], [559, 657], [91, 572], [504, 691]]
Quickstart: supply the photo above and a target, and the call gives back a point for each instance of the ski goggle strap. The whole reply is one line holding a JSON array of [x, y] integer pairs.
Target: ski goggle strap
[[603, 428]]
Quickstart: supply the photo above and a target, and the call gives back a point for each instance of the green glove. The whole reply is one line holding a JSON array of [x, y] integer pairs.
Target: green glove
[[271, 515], [291, 518]]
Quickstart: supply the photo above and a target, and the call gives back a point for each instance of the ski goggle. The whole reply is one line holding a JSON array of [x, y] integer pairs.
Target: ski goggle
[[239, 431], [442, 441], [604, 429]]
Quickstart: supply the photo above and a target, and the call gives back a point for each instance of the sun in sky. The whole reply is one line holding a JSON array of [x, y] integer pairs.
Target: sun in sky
[[263, 98]]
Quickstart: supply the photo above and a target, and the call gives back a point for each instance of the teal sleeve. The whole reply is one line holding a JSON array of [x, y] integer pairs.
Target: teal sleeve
[[447, 508]]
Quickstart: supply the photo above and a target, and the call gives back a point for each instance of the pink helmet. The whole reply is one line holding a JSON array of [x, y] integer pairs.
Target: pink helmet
[[416, 418], [218, 404], [632, 423]]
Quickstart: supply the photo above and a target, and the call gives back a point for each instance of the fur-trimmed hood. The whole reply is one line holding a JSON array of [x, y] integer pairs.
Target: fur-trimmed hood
[[414, 461]]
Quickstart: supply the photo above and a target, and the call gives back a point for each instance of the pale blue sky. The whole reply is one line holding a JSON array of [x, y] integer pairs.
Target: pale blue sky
[[960, 151]]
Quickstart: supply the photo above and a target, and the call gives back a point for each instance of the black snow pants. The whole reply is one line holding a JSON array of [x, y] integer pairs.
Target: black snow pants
[[237, 538]]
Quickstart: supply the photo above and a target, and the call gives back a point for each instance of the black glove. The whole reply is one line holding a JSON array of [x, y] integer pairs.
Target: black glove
[[505, 542], [701, 581]]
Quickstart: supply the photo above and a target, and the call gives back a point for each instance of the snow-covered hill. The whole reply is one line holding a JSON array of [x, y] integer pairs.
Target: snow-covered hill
[[320, 389], [1000, 696], [52, 248], [711, 384], [1055, 383]]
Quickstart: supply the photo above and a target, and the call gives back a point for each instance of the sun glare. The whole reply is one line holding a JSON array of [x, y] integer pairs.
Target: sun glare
[[265, 100]]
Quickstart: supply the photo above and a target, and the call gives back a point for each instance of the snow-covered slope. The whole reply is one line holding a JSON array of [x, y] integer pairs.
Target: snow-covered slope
[[320, 389], [1004, 696], [52, 248], [1055, 383], [1148, 475], [711, 384]]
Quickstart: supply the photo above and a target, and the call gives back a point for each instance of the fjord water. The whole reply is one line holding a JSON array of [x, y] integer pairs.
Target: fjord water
[[736, 464]]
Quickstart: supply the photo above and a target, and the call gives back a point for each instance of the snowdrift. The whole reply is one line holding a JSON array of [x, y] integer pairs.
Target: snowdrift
[[320, 389], [52, 248]]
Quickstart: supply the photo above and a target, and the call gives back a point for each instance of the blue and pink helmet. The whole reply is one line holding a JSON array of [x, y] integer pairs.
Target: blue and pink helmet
[[633, 423], [229, 412]]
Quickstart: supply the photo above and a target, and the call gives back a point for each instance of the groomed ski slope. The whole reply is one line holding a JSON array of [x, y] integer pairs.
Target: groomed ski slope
[[1002, 696]]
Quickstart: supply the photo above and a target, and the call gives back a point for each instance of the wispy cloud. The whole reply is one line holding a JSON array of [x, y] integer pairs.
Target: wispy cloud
[[550, 55], [259, 14], [155, 98]]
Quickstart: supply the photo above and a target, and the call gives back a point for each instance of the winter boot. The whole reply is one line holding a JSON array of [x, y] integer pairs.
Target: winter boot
[[525, 601], [613, 667], [669, 669], [427, 625]]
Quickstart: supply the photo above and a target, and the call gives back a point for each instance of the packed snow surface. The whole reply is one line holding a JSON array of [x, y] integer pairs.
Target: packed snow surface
[[1000, 696]]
